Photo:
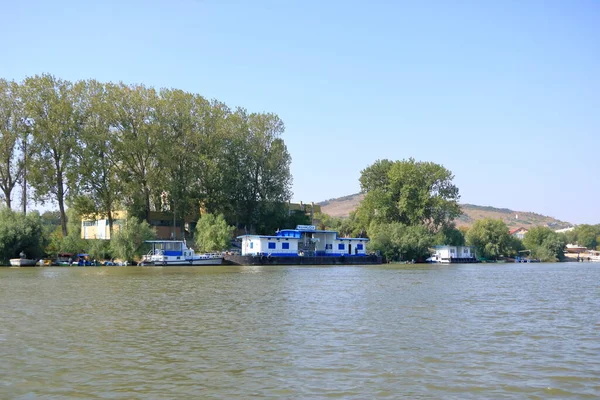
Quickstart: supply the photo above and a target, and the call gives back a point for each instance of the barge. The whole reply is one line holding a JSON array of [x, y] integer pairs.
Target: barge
[[304, 245]]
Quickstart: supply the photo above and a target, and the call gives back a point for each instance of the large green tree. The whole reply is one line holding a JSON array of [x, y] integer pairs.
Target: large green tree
[[213, 233], [19, 233], [490, 237], [409, 192], [99, 188], [545, 244], [13, 133], [128, 242], [53, 106], [137, 144], [399, 242], [180, 115]]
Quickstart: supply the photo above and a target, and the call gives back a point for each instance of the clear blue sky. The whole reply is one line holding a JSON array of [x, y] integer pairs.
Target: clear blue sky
[[505, 94]]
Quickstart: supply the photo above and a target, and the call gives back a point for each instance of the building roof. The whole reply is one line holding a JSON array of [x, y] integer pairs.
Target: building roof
[[515, 230]]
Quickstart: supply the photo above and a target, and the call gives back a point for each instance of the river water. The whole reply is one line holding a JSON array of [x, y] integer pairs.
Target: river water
[[509, 331]]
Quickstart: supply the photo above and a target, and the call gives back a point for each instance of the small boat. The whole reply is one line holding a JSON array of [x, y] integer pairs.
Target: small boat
[[176, 252], [574, 248], [590, 256], [22, 262]]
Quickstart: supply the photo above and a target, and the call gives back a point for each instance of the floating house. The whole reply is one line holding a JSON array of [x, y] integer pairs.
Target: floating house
[[303, 245], [452, 254]]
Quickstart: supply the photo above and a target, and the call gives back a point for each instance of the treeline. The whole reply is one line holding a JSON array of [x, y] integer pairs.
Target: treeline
[[100, 147], [410, 206]]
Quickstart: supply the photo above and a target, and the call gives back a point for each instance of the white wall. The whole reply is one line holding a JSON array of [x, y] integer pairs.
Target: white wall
[[253, 245]]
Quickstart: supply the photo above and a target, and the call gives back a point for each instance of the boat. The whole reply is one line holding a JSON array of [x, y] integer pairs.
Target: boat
[[176, 252], [305, 245], [64, 259], [453, 255], [589, 256], [574, 248], [22, 262]]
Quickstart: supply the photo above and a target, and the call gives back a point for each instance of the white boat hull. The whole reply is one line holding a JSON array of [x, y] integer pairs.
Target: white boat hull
[[203, 261], [22, 262]]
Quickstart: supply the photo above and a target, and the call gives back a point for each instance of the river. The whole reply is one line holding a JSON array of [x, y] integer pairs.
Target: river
[[506, 331]]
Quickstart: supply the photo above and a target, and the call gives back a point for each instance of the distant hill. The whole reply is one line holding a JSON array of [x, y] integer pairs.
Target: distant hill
[[342, 206]]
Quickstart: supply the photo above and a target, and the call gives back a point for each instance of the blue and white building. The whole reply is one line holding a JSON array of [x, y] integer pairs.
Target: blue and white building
[[305, 240]]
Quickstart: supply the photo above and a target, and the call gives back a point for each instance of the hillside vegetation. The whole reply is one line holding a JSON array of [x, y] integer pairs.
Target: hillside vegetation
[[343, 206]]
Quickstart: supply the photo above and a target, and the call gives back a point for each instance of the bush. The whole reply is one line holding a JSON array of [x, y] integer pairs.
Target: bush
[[20, 233]]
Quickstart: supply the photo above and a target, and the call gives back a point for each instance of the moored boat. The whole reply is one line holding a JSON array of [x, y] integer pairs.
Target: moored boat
[[176, 252], [22, 262], [305, 245]]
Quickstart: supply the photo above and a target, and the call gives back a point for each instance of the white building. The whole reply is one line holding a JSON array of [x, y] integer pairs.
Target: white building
[[305, 240], [452, 254]]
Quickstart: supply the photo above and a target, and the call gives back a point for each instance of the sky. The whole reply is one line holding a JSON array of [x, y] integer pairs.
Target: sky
[[504, 94]]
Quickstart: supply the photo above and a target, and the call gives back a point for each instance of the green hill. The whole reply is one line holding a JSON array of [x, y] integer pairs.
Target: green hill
[[342, 206]]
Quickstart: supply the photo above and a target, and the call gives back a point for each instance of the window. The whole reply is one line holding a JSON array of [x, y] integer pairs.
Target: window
[[89, 223], [271, 245], [285, 246], [359, 247], [328, 246], [251, 245], [341, 246]]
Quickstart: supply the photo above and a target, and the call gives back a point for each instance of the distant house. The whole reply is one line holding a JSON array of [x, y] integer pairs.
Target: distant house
[[518, 232], [97, 227]]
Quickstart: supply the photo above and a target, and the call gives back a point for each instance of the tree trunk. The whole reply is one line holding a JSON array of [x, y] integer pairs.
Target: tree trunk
[[110, 223], [7, 198], [61, 205], [24, 199]]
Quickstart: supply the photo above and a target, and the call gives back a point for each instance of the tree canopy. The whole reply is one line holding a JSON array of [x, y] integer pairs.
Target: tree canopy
[[408, 192], [490, 237], [213, 233], [545, 244], [100, 147]]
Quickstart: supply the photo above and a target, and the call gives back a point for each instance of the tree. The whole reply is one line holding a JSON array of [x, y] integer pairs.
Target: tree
[[177, 113], [52, 105], [12, 135], [450, 236], [99, 187], [56, 242], [137, 143], [128, 242], [586, 235], [398, 242], [19, 233], [545, 244], [410, 192], [491, 238], [213, 233]]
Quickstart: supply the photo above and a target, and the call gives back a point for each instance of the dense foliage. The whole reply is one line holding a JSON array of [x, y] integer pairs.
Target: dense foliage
[[490, 237], [585, 235], [408, 192], [99, 147], [127, 242], [545, 244], [213, 233], [19, 233], [409, 206]]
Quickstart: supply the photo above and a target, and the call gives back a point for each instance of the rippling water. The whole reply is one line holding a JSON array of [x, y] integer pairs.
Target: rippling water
[[464, 331]]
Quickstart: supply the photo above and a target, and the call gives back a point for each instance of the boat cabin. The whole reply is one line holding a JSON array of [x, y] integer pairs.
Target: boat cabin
[[305, 240], [451, 254]]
